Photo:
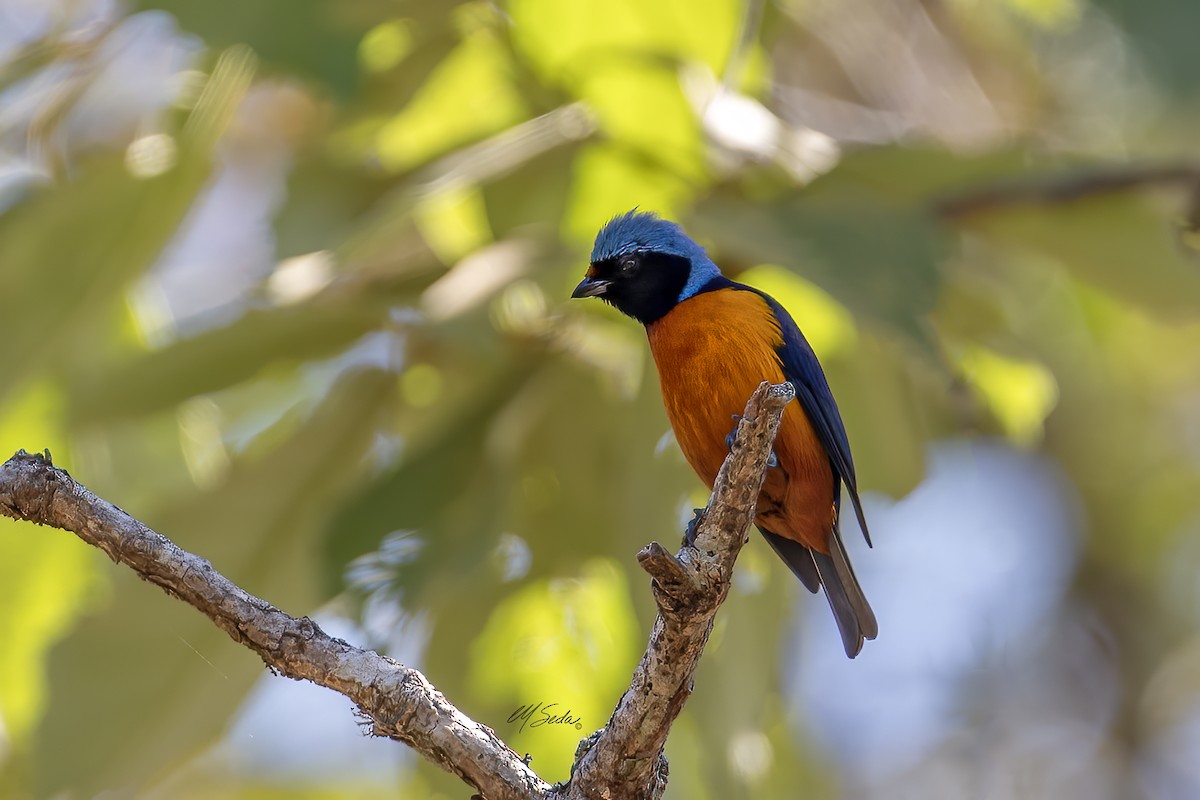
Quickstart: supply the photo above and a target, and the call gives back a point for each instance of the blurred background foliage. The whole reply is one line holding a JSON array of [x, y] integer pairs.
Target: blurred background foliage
[[286, 280]]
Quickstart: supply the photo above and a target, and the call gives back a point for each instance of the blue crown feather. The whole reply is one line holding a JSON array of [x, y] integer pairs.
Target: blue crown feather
[[644, 232]]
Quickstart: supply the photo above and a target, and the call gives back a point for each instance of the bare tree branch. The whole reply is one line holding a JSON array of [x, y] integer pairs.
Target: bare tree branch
[[623, 760], [400, 702]]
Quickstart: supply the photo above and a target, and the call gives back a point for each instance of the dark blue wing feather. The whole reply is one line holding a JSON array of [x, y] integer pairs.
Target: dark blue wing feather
[[801, 367]]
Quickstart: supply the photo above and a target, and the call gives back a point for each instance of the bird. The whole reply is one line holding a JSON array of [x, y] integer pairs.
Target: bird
[[714, 341]]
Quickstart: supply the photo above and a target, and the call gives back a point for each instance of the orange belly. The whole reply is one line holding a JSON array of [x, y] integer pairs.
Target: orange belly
[[712, 351]]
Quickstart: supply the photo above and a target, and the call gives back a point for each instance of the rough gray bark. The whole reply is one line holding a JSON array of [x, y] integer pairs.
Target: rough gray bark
[[622, 760]]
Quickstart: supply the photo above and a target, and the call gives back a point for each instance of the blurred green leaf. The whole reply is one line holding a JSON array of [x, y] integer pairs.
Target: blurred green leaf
[[431, 35], [476, 78], [316, 327], [623, 95], [878, 259], [1119, 241], [610, 180], [566, 41]]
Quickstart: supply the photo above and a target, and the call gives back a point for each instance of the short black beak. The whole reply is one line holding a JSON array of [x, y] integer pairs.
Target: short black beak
[[590, 287]]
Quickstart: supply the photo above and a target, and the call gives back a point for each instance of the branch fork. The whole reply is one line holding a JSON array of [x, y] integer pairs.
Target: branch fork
[[623, 760]]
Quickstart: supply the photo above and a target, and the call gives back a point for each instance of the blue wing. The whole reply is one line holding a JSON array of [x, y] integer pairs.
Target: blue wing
[[801, 367]]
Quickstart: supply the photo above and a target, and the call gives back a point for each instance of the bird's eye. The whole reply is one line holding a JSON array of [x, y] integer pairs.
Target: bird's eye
[[628, 263]]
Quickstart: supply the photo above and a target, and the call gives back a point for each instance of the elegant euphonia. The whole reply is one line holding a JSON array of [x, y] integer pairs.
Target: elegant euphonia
[[713, 341]]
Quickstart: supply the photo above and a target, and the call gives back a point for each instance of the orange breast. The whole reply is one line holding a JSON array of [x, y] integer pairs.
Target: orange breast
[[712, 351]]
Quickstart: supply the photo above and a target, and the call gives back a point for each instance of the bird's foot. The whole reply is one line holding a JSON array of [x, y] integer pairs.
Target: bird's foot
[[733, 433], [689, 536], [772, 459]]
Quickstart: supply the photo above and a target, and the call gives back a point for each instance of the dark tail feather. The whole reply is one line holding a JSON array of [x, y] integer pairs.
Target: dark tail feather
[[862, 609], [855, 619], [797, 557]]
